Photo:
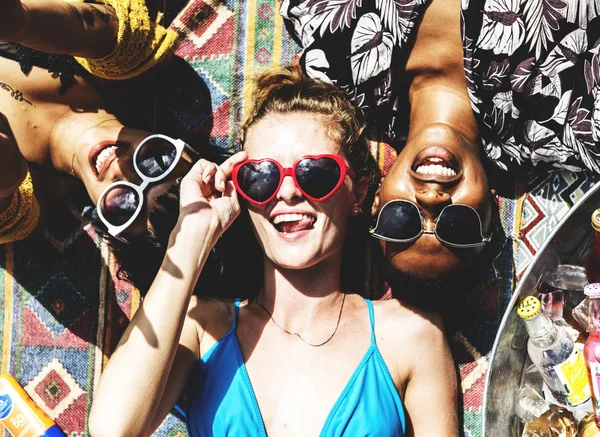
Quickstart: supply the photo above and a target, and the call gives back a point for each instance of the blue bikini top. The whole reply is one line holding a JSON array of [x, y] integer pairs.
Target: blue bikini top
[[222, 401]]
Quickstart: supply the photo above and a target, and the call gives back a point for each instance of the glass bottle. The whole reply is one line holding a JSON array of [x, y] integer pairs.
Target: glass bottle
[[557, 421], [587, 427], [591, 350], [592, 264], [529, 404], [580, 313], [553, 352]]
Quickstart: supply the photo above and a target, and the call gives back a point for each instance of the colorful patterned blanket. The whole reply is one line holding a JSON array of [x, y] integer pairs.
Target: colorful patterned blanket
[[62, 308]]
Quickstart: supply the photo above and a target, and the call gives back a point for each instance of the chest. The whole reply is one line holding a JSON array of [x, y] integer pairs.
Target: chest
[[297, 389], [266, 382]]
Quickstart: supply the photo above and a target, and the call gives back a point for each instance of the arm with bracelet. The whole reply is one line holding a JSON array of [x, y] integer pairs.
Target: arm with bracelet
[[19, 210], [114, 39]]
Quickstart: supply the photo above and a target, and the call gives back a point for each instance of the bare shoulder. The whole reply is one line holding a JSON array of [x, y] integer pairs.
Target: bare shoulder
[[406, 336], [212, 317], [398, 320], [209, 312]]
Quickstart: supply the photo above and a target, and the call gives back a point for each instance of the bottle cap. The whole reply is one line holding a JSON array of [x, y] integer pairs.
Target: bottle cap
[[592, 290], [529, 307], [596, 220]]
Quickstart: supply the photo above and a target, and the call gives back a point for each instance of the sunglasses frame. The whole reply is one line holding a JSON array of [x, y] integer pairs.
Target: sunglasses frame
[[179, 145], [345, 170], [483, 242]]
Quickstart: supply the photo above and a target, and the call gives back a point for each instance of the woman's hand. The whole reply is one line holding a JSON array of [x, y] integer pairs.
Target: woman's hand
[[208, 197]]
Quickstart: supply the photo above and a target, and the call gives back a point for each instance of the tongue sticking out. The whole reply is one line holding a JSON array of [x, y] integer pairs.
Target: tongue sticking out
[[295, 226]]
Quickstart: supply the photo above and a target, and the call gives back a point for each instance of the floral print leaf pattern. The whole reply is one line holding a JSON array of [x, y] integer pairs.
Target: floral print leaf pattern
[[371, 47], [560, 112], [503, 101], [358, 99], [578, 135], [316, 65], [503, 29], [544, 86], [541, 19], [302, 20], [396, 16], [494, 151], [588, 156], [591, 68], [522, 74], [517, 152], [470, 65], [582, 11], [500, 121], [532, 79], [565, 54], [545, 146], [596, 114], [494, 77], [334, 15], [579, 121], [383, 91]]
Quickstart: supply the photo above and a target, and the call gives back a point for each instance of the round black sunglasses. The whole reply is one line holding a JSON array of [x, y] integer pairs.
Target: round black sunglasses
[[457, 225]]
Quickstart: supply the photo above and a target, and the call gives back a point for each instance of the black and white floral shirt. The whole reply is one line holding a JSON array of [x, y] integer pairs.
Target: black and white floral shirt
[[532, 69]]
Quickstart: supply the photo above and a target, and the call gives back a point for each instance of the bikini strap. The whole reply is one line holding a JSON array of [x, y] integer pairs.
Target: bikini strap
[[371, 320], [236, 309]]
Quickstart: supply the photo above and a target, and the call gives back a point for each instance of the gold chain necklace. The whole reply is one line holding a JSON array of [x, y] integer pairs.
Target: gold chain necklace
[[255, 300]]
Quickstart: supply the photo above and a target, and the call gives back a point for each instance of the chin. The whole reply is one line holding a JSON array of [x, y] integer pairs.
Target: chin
[[291, 261], [298, 258]]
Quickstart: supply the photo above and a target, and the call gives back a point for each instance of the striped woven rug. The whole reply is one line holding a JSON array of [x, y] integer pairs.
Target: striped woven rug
[[62, 309]]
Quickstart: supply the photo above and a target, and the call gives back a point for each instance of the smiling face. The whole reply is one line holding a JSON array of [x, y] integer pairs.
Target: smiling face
[[437, 167], [295, 232], [104, 154]]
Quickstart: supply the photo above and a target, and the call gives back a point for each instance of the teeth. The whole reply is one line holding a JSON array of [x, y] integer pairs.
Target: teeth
[[281, 218], [103, 156], [435, 169]]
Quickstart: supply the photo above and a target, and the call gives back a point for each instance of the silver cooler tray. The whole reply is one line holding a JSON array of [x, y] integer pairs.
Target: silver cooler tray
[[564, 246]]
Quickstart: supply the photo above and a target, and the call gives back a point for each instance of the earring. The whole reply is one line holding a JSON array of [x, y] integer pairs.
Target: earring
[[356, 210]]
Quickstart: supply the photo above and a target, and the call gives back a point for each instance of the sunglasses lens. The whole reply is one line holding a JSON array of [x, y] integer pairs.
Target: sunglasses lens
[[398, 220], [259, 180], [318, 177], [155, 157], [119, 204], [459, 224]]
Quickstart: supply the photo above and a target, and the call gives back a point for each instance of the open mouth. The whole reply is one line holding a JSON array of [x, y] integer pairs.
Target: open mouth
[[102, 155], [435, 166], [292, 222], [436, 163]]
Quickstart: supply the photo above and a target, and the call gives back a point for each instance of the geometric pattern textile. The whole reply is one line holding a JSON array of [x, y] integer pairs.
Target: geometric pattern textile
[[63, 308], [228, 43]]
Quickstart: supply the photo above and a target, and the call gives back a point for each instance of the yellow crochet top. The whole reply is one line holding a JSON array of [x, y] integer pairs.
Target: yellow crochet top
[[141, 43], [22, 215]]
